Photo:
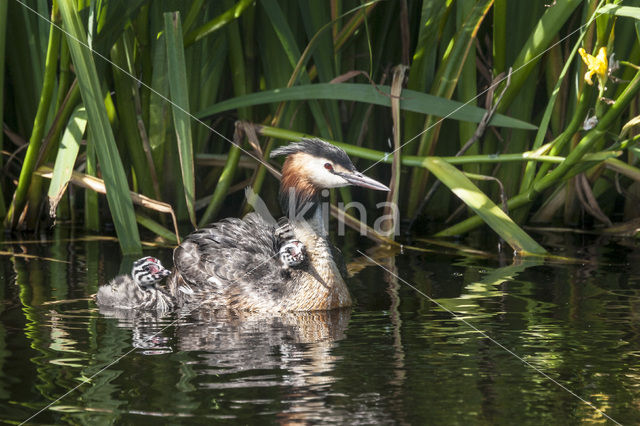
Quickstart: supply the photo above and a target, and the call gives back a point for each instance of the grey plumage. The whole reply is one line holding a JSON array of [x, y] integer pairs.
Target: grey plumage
[[124, 293], [235, 262]]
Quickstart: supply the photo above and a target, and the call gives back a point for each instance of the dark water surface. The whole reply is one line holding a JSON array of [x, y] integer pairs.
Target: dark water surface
[[396, 357]]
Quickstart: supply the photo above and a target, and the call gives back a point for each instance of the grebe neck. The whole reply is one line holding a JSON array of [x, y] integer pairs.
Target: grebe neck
[[313, 215]]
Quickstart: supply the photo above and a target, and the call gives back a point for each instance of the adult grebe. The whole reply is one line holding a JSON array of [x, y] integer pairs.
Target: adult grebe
[[138, 290], [232, 263]]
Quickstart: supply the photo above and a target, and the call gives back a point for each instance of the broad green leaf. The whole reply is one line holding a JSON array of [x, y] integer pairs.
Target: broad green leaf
[[67, 154], [105, 145], [492, 215], [180, 105], [627, 11], [411, 101]]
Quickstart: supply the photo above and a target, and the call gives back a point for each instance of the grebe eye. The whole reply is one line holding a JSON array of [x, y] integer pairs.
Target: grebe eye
[[328, 166]]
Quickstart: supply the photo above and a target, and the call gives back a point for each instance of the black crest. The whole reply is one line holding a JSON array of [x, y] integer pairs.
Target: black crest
[[317, 148]]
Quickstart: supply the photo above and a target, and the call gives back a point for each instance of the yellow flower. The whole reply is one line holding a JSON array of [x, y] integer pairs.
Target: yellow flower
[[598, 65]]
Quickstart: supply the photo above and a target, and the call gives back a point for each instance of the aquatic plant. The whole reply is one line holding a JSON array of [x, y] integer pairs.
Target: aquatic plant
[[170, 105]]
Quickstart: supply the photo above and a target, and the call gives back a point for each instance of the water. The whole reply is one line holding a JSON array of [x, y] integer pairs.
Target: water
[[394, 358]]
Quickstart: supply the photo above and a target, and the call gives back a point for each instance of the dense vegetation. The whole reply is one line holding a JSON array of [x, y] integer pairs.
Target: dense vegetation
[[167, 105]]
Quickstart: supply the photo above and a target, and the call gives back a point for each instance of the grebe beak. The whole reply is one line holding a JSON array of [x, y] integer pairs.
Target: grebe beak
[[358, 179]]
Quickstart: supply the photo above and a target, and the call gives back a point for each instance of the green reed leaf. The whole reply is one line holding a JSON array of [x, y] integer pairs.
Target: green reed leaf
[[179, 95], [490, 213], [67, 154], [411, 101], [115, 179], [614, 9], [35, 141]]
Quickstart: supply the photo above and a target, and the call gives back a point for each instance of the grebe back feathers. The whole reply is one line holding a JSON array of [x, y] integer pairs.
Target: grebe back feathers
[[255, 264]]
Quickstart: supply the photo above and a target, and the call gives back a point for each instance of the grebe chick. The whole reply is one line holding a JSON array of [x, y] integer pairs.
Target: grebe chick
[[292, 254], [138, 290], [233, 263]]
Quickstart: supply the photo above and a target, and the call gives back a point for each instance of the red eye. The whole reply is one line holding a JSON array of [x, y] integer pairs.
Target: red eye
[[328, 166]]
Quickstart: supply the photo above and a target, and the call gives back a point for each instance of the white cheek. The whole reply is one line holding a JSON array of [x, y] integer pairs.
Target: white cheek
[[323, 177]]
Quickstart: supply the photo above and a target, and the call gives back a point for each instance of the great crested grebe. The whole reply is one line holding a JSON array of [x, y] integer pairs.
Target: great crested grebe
[[231, 263], [138, 290]]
